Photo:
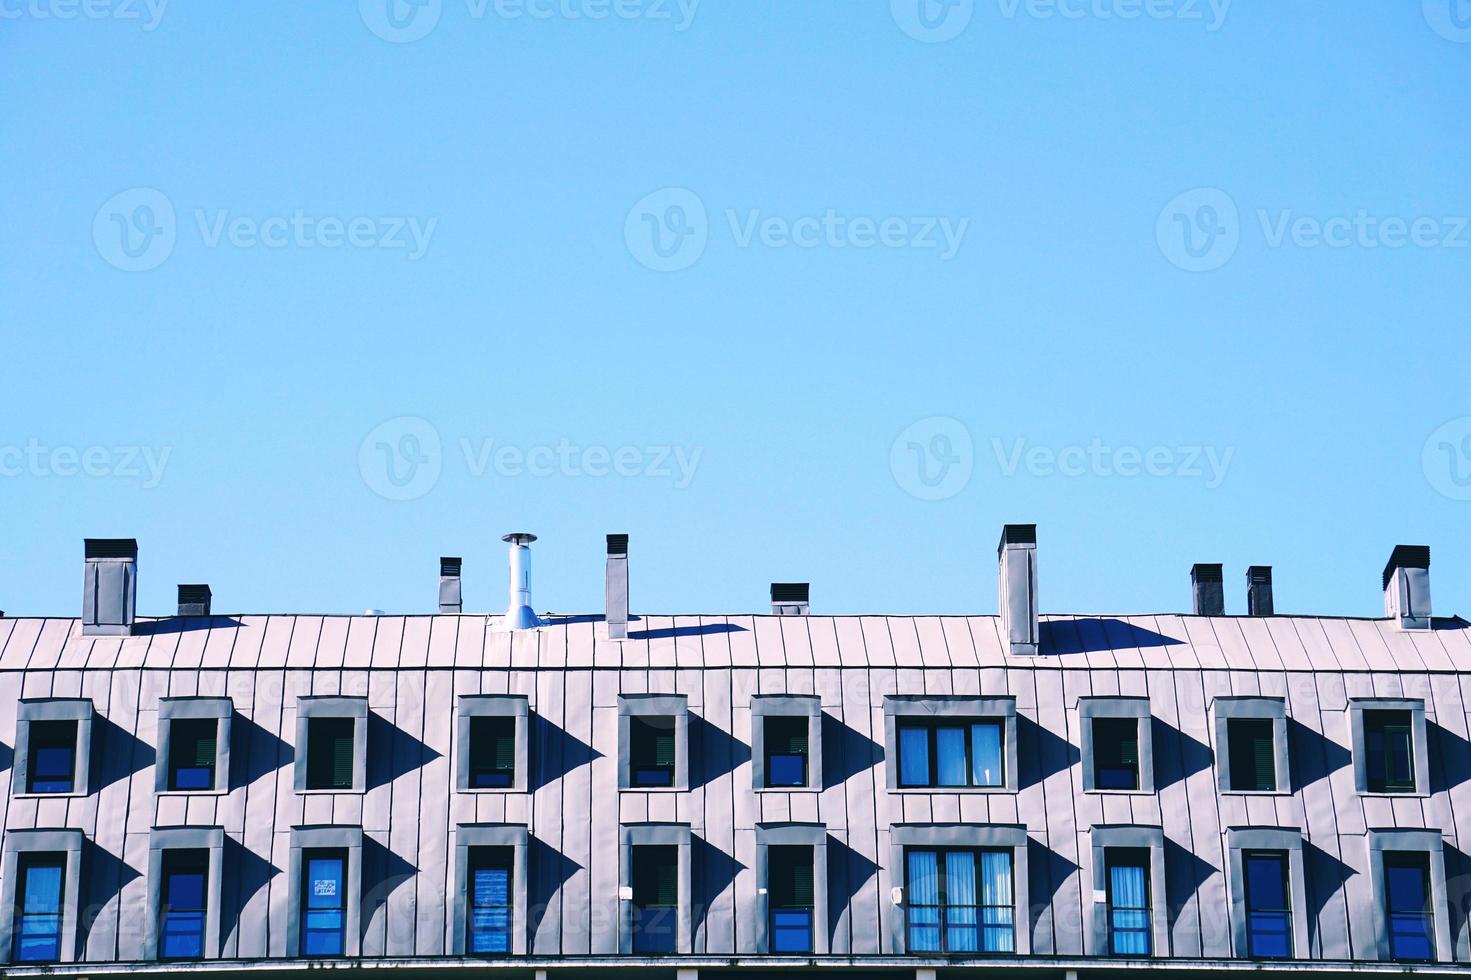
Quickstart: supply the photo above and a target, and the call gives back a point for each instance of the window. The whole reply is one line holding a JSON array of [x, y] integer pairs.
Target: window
[[791, 898], [491, 908], [492, 752], [952, 743], [1389, 762], [786, 742], [951, 910], [1116, 753], [785, 739], [1117, 744], [1268, 904], [324, 903], [655, 898], [38, 911], [1253, 758], [1389, 743], [653, 741], [182, 905], [651, 752], [194, 745], [53, 757], [192, 753], [1408, 905], [1251, 744], [1129, 910], [332, 744]]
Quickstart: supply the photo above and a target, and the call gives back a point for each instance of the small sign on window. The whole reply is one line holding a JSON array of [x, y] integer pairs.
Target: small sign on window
[[324, 887]]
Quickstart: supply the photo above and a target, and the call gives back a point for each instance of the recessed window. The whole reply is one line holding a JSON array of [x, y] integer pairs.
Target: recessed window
[[960, 901], [1268, 886], [183, 904], [1116, 753], [324, 902], [329, 753], [1389, 762], [791, 898], [38, 910], [951, 753], [1253, 754], [52, 765], [651, 751], [492, 752], [655, 911], [1130, 911], [491, 905], [1410, 912], [492, 736], [785, 744], [193, 746]]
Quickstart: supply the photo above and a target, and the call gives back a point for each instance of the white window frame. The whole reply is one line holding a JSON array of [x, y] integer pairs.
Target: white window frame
[[222, 710], [901, 706], [1289, 839], [1429, 842], [79, 710], [807, 706], [1274, 709], [675, 706], [333, 706], [812, 835], [954, 836], [343, 838], [1419, 743], [162, 839], [638, 835], [471, 706], [1108, 706], [1133, 836], [468, 837], [18, 842]]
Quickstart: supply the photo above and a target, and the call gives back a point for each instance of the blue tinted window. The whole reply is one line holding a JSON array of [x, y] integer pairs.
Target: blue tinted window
[[52, 757], [1268, 904], [324, 904], [38, 913], [791, 931], [182, 916], [951, 753], [960, 901], [785, 740], [914, 756], [490, 900], [192, 743], [655, 874], [1411, 918]]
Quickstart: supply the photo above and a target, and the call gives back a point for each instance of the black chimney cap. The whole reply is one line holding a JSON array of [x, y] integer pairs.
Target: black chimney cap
[[194, 594], [112, 548], [790, 591], [1406, 556], [450, 567], [617, 544], [1016, 534], [1206, 573]]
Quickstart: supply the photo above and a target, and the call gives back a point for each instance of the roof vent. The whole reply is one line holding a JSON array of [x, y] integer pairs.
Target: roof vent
[[1208, 585], [1017, 556], [194, 600], [1407, 587], [451, 601], [615, 587], [1259, 591], [790, 598], [518, 613], [110, 587]]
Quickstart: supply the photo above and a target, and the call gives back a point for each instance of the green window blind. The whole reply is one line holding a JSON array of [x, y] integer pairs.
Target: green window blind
[[1253, 756], [329, 753], [789, 877], [656, 876], [786, 736], [492, 751], [652, 742]]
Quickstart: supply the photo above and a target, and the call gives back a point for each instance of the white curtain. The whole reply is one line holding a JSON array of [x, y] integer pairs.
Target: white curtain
[[1130, 909], [999, 914], [923, 900], [950, 748], [986, 769], [914, 757], [960, 902]]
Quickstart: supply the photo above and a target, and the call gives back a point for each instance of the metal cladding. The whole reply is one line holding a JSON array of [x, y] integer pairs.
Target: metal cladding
[[109, 586], [451, 592], [1017, 556], [615, 587], [1407, 587], [519, 615]]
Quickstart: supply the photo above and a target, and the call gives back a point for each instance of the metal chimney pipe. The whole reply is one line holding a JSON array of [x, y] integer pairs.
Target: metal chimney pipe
[[1017, 557], [616, 587], [790, 598], [109, 586], [1407, 587], [518, 613], [451, 599], [1210, 592], [1259, 591], [194, 600]]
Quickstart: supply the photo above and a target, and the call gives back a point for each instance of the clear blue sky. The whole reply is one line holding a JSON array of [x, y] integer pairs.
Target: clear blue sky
[[1065, 337]]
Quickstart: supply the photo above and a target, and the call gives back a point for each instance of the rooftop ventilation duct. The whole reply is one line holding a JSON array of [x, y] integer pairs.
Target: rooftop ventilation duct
[[451, 599], [615, 589], [110, 587], [518, 612], [790, 598], [1017, 556], [1209, 589], [194, 600], [1407, 587], [1259, 591]]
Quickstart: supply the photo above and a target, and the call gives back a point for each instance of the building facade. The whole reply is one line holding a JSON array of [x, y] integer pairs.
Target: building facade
[[877, 795]]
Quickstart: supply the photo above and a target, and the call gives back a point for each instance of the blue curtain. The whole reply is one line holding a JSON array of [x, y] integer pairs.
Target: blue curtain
[[914, 757], [490, 930], [960, 902], [1129, 911], [998, 934], [924, 901], [986, 767], [950, 749]]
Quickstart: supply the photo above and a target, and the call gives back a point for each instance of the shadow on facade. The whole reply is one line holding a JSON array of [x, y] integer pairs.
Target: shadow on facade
[[1326, 876], [263, 753], [718, 752], [105, 876], [1450, 757], [551, 869], [1312, 755], [846, 752], [712, 872], [1041, 752], [1177, 755], [708, 629], [1185, 873], [556, 751], [393, 752], [1047, 872], [1063, 636], [248, 872], [116, 752], [847, 873]]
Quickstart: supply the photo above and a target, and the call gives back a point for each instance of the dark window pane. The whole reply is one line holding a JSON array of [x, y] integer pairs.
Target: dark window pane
[[655, 898], [182, 904], [324, 903], [1116, 753], [192, 744], [651, 751], [329, 753], [38, 908], [1268, 904], [492, 752], [790, 897], [490, 899], [785, 740], [52, 761], [1253, 758], [1389, 752]]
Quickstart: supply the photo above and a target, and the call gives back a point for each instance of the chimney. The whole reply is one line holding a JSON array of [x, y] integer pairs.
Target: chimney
[[518, 613], [1407, 586], [1210, 591], [450, 601], [615, 587], [1017, 555], [194, 600], [110, 587], [1259, 590], [790, 598]]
